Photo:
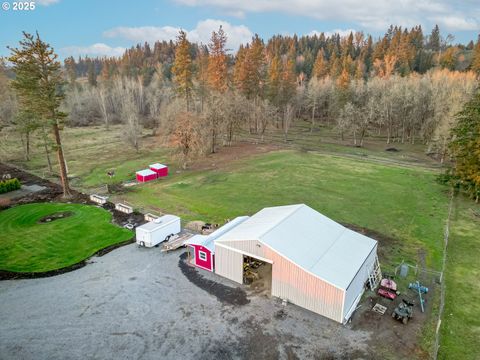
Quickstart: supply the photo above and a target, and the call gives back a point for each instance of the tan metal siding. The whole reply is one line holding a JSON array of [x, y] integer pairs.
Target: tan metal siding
[[252, 247], [357, 284], [229, 263], [303, 289]]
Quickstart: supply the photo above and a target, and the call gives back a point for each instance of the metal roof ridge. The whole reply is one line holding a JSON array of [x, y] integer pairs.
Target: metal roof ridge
[[299, 206], [333, 243]]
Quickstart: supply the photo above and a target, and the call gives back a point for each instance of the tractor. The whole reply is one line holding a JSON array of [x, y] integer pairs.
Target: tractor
[[404, 311]]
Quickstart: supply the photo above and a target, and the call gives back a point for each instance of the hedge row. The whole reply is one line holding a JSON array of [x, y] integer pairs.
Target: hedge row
[[9, 185]]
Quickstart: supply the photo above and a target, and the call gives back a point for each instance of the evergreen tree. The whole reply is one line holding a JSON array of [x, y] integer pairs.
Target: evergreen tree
[[475, 66], [239, 69], [182, 67], [38, 81], [434, 39], [465, 148], [92, 74], [320, 68], [71, 69], [288, 78], [254, 69], [274, 80], [202, 75], [217, 61]]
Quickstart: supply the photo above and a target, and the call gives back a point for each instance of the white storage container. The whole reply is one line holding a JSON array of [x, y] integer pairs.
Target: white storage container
[[154, 232]]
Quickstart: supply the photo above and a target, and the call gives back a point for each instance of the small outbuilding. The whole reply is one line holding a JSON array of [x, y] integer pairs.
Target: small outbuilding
[[315, 262], [160, 169], [146, 175], [201, 248]]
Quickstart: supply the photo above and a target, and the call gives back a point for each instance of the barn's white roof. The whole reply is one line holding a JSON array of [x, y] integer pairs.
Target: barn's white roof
[[208, 241], [311, 240], [157, 166], [145, 172]]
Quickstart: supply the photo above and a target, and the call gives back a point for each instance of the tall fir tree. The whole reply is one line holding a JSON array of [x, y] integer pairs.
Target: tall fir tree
[[92, 73], [274, 80], [320, 68], [465, 148], [71, 69], [217, 61], [475, 66], [202, 75], [434, 39], [38, 82], [254, 69], [182, 69]]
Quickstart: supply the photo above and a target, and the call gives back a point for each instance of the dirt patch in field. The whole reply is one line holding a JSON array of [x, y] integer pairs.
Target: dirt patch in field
[[53, 193], [392, 336], [121, 218], [224, 294], [228, 154], [60, 215]]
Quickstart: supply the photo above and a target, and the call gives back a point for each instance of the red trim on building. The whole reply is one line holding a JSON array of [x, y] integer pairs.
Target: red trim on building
[[206, 264]]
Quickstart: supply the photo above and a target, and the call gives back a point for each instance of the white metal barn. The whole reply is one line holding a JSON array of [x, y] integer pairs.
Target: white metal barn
[[317, 263]]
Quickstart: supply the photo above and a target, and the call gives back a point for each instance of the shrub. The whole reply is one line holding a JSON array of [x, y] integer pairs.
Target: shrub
[[9, 185]]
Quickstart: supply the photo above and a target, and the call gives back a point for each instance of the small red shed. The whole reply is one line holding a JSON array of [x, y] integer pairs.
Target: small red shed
[[201, 255], [203, 246], [146, 175], [160, 169]]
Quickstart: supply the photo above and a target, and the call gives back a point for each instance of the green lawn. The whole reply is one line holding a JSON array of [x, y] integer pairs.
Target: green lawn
[[460, 329], [29, 246], [405, 203]]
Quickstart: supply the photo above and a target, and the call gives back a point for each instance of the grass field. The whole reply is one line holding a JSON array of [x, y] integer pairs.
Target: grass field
[[404, 203], [460, 329], [30, 246]]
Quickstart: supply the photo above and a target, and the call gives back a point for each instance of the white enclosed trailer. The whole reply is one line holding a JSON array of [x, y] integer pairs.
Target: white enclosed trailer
[[154, 232]]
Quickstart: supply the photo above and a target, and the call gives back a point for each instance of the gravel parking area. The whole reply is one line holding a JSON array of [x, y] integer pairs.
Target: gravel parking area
[[137, 303]]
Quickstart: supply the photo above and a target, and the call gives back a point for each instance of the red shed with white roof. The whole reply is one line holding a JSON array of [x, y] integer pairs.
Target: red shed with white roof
[[160, 169], [203, 246], [146, 175]]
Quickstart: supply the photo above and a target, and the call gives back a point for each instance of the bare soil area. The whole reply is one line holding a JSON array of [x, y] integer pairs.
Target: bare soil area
[[53, 192], [228, 154]]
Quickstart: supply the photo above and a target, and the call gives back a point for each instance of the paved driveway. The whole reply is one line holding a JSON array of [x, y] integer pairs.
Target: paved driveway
[[138, 304]]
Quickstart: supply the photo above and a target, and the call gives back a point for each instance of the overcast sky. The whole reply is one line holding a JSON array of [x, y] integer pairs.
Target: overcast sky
[[79, 27]]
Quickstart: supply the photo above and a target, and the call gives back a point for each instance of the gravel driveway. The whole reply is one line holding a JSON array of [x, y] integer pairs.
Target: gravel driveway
[[138, 304]]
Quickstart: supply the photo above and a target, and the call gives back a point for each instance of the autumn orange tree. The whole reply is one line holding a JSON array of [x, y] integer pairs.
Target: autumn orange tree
[[186, 136], [217, 61], [274, 80], [182, 68], [320, 68], [249, 74]]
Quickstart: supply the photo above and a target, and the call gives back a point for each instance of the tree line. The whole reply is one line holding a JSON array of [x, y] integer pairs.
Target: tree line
[[403, 87]]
